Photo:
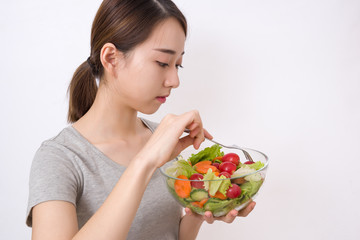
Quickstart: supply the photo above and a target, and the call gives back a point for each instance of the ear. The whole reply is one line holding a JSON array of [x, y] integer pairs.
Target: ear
[[111, 58]]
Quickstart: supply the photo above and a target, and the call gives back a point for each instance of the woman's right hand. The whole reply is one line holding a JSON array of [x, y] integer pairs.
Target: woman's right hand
[[166, 144]]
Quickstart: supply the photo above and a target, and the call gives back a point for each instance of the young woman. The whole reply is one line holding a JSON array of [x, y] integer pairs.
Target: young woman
[[99, 177]]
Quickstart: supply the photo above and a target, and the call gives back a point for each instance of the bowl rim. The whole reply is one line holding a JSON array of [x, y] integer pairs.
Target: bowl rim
[[241, 176]]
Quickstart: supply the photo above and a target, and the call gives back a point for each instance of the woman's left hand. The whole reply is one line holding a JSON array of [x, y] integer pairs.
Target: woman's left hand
[[191, 222], [229, 218]]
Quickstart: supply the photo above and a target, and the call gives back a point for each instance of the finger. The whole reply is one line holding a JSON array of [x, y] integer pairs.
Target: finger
[[192, 126], [195, 123], [207, 134], [199, 138], [230, 217], [244, 212], [194, 132], [193, 120], [184, 142], [208, 217], [188, 211]]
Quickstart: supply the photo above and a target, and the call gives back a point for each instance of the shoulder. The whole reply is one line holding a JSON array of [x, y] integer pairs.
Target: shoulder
[[55, 164], [55, 148], [55, 158], [51, 155]]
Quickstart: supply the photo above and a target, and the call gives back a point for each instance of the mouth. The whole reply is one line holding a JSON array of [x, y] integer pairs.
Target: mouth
[[162, 99]]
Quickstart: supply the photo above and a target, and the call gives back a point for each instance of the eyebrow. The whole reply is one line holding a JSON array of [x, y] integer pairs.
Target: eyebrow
[[168, 51]]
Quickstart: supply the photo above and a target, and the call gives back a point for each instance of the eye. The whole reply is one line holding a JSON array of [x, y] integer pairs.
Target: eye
[[178, 66], [161, 64]]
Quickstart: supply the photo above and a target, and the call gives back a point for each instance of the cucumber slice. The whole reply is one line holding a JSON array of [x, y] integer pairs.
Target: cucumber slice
[[188, 200], [199, 194]]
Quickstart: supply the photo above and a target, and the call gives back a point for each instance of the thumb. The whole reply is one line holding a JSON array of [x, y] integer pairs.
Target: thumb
[[188, 212], [184, 142]]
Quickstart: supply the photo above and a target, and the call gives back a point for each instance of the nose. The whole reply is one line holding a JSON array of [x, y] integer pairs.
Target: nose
[[172, 79]]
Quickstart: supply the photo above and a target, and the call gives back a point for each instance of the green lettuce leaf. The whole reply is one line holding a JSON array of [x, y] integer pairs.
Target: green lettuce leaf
[[225, 184], [214, 186], [246, 169], [208, 153], [257, 165], [180, 167], [249, 189], [208, 176]]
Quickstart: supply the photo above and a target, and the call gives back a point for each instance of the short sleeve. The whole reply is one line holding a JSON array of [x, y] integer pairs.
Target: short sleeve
[[53, 176]]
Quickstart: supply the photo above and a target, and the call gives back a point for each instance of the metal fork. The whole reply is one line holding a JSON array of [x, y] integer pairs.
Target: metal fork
[[247, 155]]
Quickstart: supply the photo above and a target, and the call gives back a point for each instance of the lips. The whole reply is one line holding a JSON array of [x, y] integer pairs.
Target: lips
[[162, 99]]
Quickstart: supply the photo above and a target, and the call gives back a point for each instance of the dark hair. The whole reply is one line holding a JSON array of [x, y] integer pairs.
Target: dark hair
[[124, 23]]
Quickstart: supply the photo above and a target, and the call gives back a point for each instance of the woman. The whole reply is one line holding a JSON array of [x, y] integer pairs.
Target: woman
[[99, 178]]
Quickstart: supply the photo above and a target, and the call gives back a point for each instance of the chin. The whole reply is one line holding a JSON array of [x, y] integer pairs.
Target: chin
[[148, 109]]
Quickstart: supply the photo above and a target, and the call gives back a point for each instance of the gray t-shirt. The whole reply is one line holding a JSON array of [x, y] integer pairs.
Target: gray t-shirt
[[69, 168]]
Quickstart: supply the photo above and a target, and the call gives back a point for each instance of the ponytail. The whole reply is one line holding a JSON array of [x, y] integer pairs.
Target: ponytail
[[82, 91]]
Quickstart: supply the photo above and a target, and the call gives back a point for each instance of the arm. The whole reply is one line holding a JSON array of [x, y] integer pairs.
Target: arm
[[112, 220], [189, 226], [57, 220], [57, 216]]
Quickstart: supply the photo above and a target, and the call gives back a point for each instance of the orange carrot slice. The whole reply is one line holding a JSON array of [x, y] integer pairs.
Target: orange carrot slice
[[219, 195], [203, 167], [218, 158], [199, 204], [202, 202], [196, 204], [182, 187], [203, 163]]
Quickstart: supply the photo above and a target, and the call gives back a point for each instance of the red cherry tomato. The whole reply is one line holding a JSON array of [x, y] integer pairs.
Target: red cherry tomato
[[248, 162], [227, 167], [226, 174], [216, 165], [231, 157], [234, 191], [197, 184]]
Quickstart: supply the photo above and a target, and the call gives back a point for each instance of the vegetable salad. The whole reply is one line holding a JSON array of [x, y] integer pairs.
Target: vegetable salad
[[213, 181]]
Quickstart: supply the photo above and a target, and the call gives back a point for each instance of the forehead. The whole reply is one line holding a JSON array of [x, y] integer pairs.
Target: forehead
[[168, 34]]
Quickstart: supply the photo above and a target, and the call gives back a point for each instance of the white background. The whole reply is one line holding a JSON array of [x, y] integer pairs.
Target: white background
[[275, 75]]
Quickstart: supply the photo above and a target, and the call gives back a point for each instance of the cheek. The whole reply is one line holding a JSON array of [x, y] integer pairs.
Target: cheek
[[145, 83], [149, 79]]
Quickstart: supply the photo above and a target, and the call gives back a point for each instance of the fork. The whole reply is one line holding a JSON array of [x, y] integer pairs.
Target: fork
[[247, 155]]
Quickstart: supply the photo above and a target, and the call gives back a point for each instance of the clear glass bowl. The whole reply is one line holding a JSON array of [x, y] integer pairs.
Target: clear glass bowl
[[201, 200]]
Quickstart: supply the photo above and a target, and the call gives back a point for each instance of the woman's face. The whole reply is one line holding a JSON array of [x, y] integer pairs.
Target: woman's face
[[150, 71]]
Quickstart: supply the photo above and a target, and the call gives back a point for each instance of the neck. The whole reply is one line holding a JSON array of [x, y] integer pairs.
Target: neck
[[107, 120]]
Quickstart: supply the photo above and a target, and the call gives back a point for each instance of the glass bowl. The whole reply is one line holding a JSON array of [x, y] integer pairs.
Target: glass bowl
[[221, 188]]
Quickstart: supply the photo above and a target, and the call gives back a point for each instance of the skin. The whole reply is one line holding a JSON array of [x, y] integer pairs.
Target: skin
[[132, 82]]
